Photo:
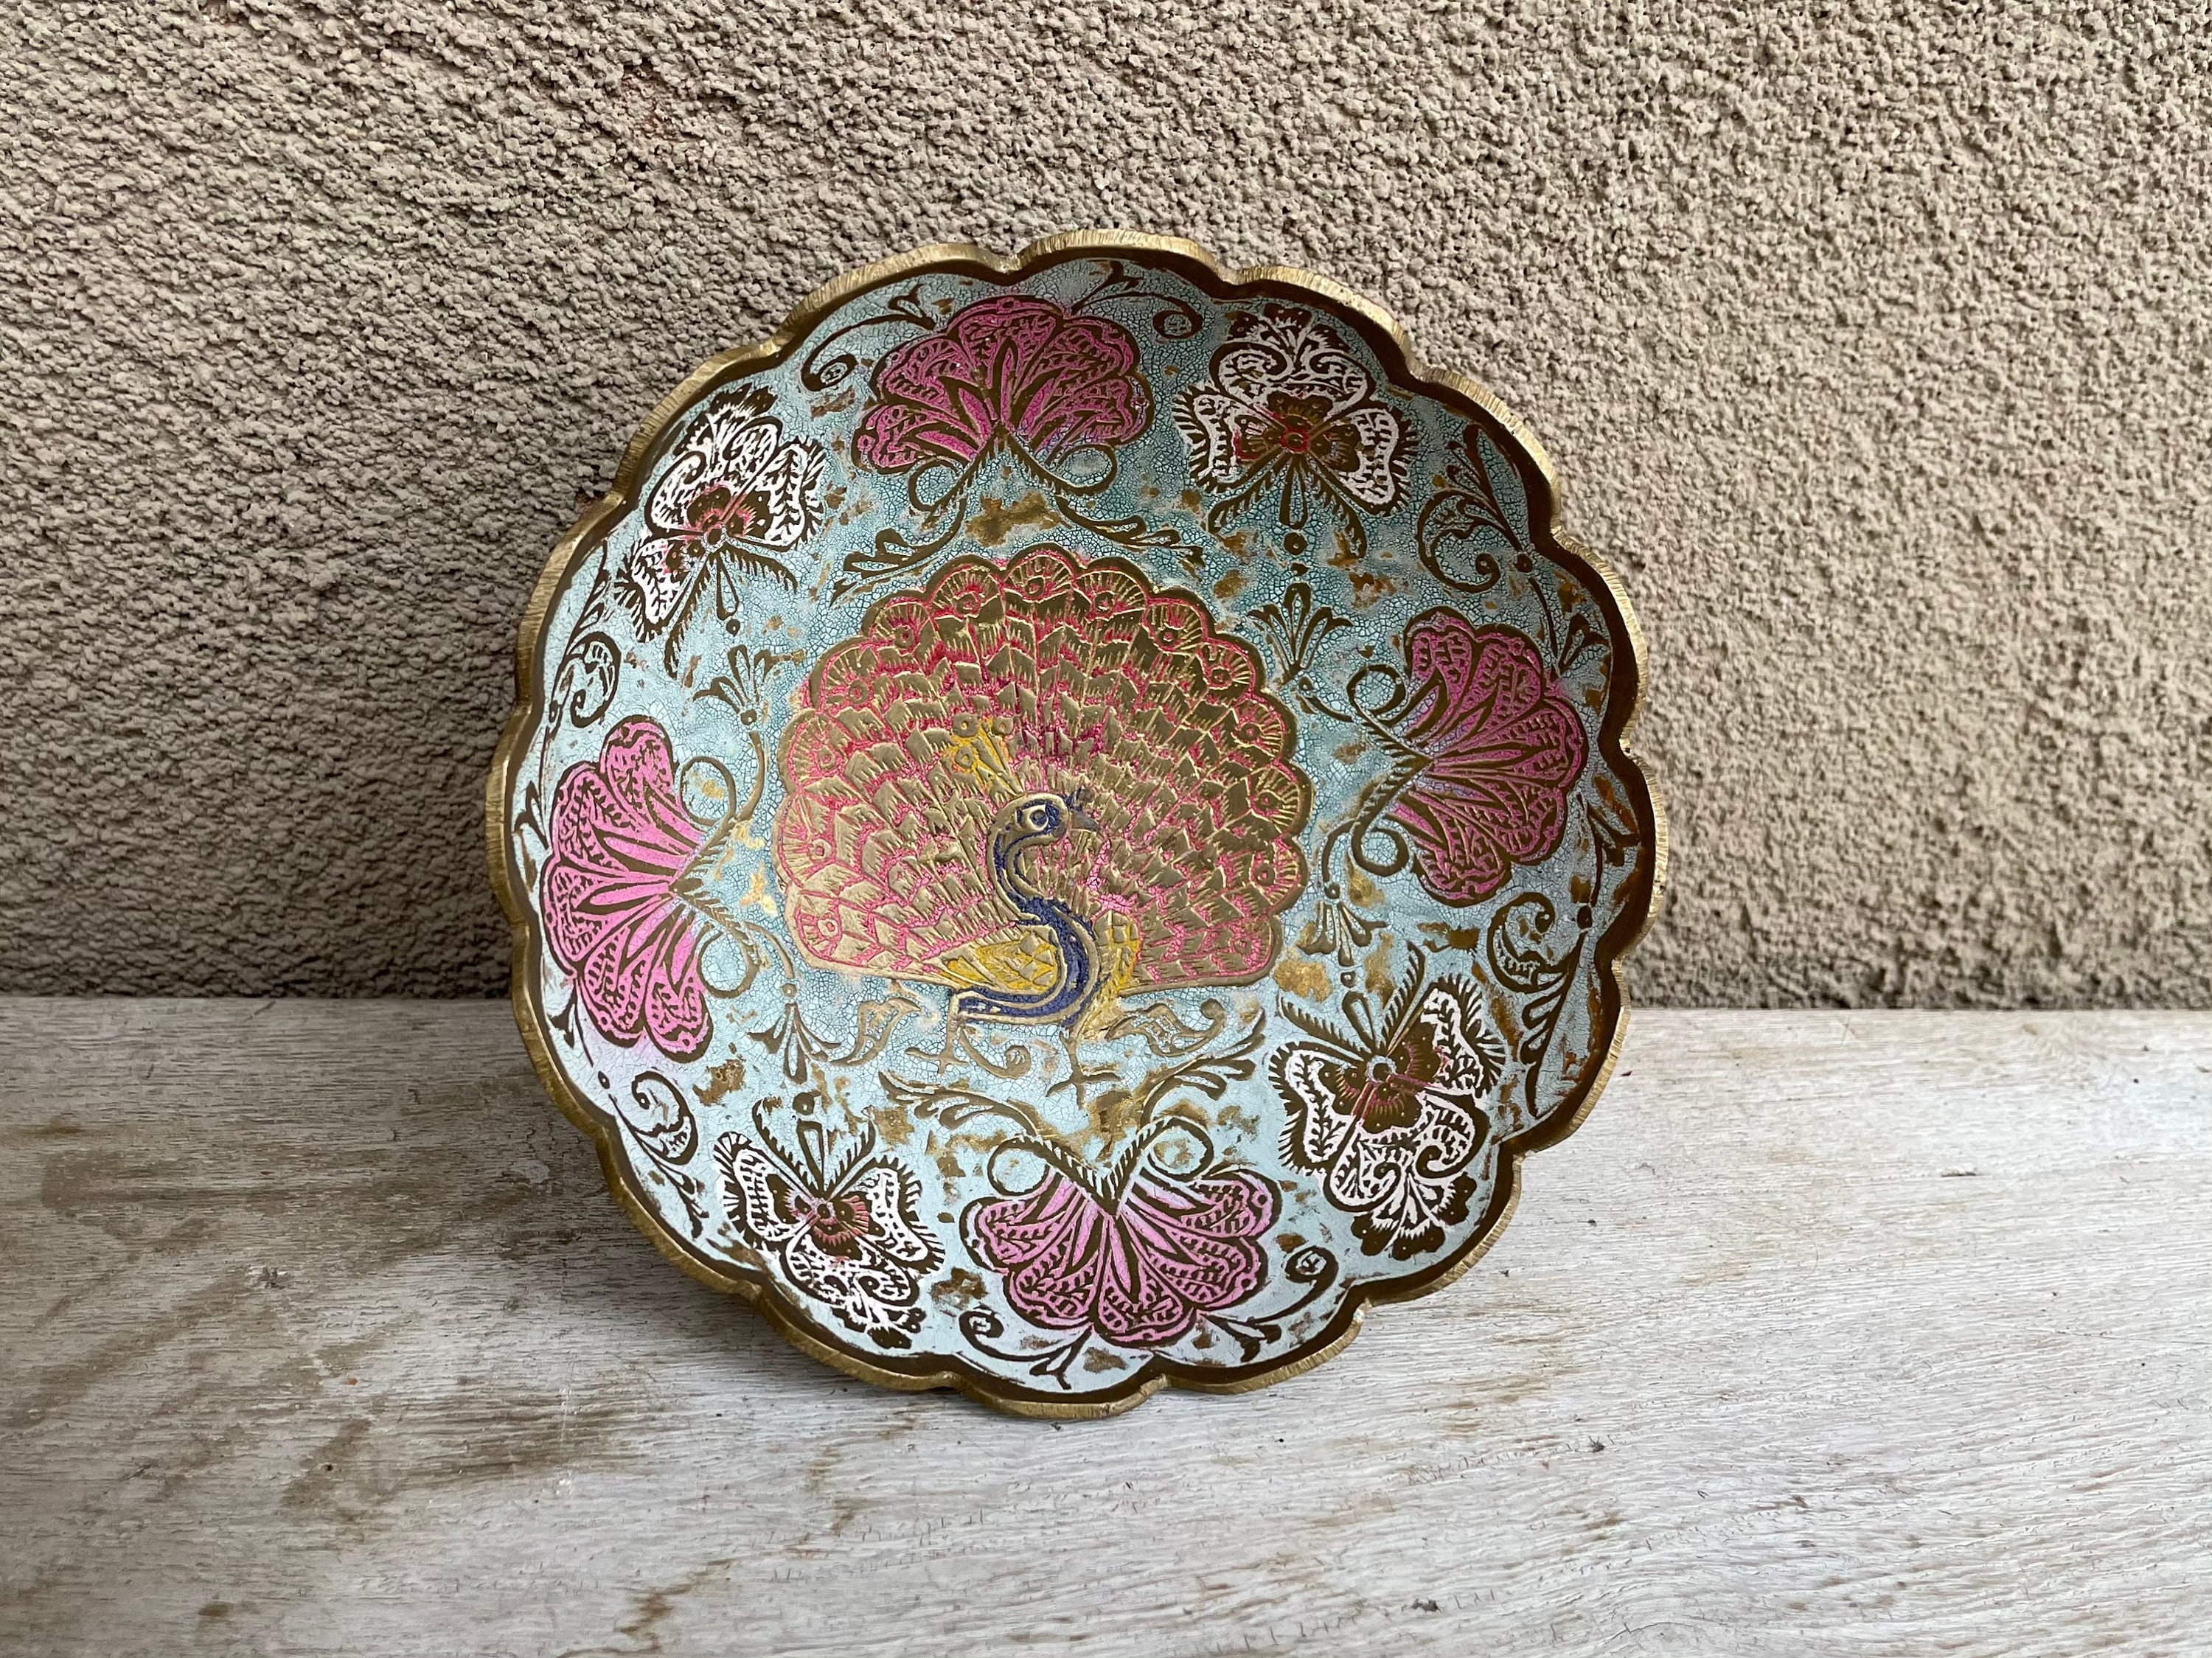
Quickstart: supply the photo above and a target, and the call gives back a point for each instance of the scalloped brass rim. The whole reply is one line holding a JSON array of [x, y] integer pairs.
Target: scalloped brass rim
[[1405, 369]]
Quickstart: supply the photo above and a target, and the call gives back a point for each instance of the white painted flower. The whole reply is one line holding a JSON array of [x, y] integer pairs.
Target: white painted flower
[[737, 493], [841, 1227], [1289, 407]]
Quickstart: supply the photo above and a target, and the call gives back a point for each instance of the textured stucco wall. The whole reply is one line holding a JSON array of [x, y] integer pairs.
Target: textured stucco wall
[[1872, 343]]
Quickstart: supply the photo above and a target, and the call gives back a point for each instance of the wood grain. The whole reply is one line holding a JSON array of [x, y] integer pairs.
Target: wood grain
[[1829, 1334]]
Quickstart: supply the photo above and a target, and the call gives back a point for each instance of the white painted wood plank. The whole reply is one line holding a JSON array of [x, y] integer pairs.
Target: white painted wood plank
[[1829, 1334]]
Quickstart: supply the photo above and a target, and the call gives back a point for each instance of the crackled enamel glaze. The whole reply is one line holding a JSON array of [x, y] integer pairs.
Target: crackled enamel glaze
[[1068, 821]]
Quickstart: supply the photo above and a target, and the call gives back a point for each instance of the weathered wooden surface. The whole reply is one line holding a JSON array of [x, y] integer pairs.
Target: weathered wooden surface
[[1829, 1334]]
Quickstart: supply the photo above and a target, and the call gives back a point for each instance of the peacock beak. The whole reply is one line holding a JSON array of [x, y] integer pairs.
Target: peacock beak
[[1078, 817]]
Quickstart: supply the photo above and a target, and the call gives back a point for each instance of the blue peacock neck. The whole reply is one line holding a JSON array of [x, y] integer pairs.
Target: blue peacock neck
[[1018, 828]]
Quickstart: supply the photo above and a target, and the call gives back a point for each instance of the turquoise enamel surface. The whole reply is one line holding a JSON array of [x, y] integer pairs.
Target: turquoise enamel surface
[[1069, 822]]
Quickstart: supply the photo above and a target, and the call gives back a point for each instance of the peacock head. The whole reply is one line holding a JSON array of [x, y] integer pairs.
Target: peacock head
[[1037, 820]]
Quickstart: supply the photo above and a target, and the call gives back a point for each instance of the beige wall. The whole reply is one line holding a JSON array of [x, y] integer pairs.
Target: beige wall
[[1874, 350]]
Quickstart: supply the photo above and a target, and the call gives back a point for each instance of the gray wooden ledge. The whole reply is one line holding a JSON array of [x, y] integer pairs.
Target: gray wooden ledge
[[1829, 1334]]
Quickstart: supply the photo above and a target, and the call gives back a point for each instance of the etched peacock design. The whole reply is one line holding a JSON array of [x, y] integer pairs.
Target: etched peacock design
[[1045, 785]]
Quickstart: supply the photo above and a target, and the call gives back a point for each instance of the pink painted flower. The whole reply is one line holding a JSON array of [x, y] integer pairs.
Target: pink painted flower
[[1013, 368], [621, 846], [1488, 749], [1138, 1266]]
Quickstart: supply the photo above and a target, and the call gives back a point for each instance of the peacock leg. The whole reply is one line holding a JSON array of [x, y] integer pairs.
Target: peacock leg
[[958, 1049], [1075, 1077], [1079, 1079], [944, 1057]]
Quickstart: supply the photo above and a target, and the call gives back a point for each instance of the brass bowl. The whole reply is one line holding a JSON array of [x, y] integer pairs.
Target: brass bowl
[[1069, 819]]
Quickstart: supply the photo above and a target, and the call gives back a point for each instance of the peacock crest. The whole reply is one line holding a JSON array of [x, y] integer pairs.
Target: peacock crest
[[1042, 783]]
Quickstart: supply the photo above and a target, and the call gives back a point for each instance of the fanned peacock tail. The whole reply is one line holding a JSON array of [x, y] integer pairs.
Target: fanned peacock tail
[[1042, 674]]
